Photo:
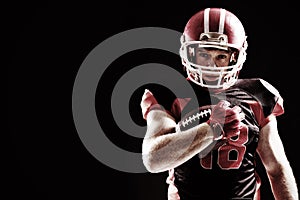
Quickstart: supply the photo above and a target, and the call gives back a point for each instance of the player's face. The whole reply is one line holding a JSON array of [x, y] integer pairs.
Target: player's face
[[212, 58]]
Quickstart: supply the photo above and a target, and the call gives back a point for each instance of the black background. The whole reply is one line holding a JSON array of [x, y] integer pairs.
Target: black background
[[49, 40]]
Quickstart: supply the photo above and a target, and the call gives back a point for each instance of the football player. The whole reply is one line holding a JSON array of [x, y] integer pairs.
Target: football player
[[211, 151]]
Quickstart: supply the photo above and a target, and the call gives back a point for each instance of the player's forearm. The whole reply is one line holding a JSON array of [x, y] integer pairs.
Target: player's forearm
[[283, 184], [170, 150]]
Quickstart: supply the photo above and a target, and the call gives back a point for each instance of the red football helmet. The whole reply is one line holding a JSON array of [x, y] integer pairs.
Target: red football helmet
[[213, 28]]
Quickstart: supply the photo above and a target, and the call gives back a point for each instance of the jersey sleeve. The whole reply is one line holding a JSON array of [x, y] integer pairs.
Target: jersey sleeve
[[162, 100], [148, 103], [268, 102]]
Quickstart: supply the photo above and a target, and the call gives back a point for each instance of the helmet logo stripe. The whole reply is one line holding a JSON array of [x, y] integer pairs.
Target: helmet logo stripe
[[222, 20], [206, 20]]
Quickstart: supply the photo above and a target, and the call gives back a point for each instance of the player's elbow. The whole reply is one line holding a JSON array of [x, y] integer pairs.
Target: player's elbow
[[150, 156], [156, 155], [151, 163], [154, 159], [148, 163]]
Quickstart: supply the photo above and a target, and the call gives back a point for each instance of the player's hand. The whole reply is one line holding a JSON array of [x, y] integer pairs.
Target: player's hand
[[226, 120]]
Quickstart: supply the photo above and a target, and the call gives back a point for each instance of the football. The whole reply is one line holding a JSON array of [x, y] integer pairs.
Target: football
[[195, 117]]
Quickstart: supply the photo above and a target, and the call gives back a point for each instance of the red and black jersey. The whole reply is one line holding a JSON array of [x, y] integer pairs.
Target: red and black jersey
[[228, 171]]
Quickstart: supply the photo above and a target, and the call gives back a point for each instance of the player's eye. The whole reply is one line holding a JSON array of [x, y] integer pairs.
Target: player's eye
[[222, 57], [204, 55]]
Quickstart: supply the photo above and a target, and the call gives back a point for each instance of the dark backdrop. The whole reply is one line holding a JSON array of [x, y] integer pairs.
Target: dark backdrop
[[48, 41]]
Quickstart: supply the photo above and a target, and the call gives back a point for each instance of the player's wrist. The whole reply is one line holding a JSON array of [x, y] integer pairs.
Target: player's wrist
[[217, 129]]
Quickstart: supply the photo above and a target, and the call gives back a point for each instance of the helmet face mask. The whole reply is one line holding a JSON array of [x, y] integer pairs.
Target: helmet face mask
[[213, 59]]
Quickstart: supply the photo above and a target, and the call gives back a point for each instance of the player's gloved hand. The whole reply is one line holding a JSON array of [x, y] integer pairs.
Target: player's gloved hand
[[225, 120]]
